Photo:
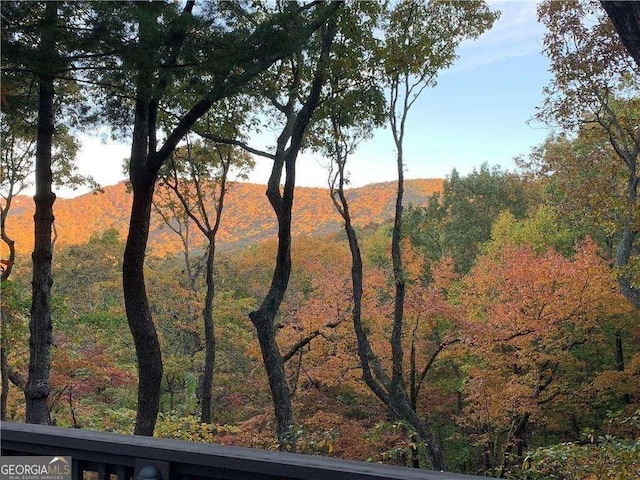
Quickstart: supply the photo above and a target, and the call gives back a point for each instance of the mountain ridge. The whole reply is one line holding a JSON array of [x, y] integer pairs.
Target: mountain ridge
[[247, 217]]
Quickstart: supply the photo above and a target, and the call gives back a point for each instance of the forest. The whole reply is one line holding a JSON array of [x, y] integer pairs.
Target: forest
[[485, 323]]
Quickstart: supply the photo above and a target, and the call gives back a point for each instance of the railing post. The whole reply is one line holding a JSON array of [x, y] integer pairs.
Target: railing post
[[146, 469], [149, 473]]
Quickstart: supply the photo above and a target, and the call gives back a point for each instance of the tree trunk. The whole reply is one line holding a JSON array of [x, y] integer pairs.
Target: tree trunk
[[8, 376], [627, 245], [274, 365], [372, 372], [401, 407], [40, 326], [623, 256], [143, 171], [138, 313], [145, 163], [264, 318], [5, 381], [626, 18], [397, 377], [519, 436], [209, 336], [392, 394], [619, 352], [282, 203], [620, 366], [207, 313], [399, 398]]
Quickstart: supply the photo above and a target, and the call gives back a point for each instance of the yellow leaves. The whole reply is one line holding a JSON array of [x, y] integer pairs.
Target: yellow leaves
[[190, 429], [618, 383]]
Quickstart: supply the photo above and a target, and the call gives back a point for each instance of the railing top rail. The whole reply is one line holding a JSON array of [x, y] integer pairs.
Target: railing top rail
[[225, 461]]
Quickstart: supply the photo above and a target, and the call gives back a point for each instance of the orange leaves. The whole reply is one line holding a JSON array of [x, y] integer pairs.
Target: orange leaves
[[247, 218], [527, 314], [616, 383], [517, 293], [85, 377], [317, 310]]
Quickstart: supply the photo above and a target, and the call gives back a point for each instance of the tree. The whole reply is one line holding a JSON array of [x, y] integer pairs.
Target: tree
[[197, 176], [528, 314], [19, 134], [165, 49], [458, 221], [419, 39], [38, 50], [419, 43], [412, 60], [297, 109], [37, 386], [79, 268], [583, 183], [542, 229], [596, 83]]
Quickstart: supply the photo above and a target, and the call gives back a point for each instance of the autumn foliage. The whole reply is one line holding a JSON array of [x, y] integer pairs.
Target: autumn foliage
[[247, 218], [528, 314], [519, 352], [487, 323]]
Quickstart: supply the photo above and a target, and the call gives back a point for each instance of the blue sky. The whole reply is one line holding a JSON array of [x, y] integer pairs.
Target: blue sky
[[477, 113]]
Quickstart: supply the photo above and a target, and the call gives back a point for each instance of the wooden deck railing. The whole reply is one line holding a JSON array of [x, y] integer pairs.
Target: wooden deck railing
[[114, 456]]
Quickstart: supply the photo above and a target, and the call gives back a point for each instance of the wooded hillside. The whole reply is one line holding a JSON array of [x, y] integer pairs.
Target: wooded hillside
[[247, 218]]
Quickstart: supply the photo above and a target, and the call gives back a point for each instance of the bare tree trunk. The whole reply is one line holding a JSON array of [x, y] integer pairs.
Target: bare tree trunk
[[623, 256], [392, 394], [37, 388], [264, 318], [399, 398], [626, 18], [619, 352], [138, 313], [282, 203], [397, 355], [40, 326], [209, 335]]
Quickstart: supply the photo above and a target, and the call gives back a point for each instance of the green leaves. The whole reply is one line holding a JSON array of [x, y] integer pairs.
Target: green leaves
[[604, 456], [421, 37], [460, 220], [542, 229]]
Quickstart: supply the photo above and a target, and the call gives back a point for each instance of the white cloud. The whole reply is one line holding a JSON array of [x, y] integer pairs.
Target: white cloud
[[515, 34]]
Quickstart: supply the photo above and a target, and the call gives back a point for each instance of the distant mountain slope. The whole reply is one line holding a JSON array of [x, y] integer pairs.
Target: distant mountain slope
[[247, 217]]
